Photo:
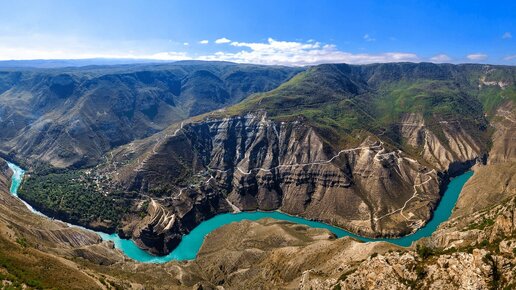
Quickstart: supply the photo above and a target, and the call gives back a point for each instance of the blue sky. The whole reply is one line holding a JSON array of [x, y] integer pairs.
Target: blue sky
[[269, 32]]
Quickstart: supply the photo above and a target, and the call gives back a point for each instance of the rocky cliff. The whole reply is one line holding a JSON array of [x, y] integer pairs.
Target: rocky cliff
[[328, 145], [452, 152], [338, 153], [251, 162]]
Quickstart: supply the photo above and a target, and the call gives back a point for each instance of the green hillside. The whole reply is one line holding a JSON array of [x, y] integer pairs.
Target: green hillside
[[340, 99]]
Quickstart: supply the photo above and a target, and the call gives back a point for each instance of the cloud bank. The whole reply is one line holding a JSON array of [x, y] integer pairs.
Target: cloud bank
[[268, 52], [440, 58], [274, 52], [477, 56]]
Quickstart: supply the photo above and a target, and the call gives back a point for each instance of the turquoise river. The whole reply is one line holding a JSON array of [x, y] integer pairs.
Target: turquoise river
[[191, 243]]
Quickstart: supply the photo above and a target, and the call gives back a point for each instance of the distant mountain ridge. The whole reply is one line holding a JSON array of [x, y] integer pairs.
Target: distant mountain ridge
[[62, 63], [72, 116]]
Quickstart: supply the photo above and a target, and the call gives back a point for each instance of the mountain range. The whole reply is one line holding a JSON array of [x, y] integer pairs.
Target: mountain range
[[151, 150], [72, 116]]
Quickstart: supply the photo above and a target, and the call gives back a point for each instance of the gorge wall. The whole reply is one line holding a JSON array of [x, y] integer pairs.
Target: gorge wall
[[255, 163]]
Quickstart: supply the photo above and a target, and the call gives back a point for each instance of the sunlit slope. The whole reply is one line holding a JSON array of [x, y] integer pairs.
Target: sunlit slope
[[339, 99]]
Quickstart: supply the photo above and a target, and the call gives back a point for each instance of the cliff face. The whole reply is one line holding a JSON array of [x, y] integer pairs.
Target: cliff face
[[504, 137], [448, 152], [287, 166], [250, 162]]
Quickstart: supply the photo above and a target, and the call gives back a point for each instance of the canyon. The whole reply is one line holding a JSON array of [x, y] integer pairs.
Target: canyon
[[325, 145]]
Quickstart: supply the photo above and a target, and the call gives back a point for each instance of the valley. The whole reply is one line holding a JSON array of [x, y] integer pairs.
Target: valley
[[191, 243], [321, 147]]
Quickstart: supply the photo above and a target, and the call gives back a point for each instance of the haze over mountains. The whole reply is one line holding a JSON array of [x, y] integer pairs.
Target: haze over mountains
[[62, 63]]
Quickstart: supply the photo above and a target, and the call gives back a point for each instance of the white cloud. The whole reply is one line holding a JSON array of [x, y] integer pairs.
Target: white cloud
[[510, 57], [171, 55], [301, 53], [222, 40], [368, 37], [477, 56], [204, 41], [440, 58], [271, 51], [507, 35], [186, 43]]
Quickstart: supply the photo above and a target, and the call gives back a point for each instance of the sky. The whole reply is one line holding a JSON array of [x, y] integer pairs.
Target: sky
[[276, 32]]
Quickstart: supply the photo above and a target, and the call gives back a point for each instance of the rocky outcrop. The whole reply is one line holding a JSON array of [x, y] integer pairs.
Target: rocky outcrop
[[404, 271], [504, 137], [257, 164], [151, 232], [452, 151]]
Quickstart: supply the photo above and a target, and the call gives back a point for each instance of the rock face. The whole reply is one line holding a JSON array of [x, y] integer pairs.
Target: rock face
[[201, 168], [287, 166], [504, 137], [451, 152], [402, 271], [495, 182]]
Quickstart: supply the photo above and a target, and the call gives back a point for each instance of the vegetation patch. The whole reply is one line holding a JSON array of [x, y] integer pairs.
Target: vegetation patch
[[72, 196], [486, 222], [424, 252]]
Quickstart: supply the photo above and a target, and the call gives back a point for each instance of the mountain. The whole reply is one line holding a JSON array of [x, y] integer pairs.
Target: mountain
[[367, 148], [474, 249], [72, 116]]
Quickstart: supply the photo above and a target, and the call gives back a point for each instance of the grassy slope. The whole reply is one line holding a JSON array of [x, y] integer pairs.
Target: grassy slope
[[341, 101]]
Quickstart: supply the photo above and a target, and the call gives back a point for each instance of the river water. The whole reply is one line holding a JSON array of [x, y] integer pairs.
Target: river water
[[191, 243]]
